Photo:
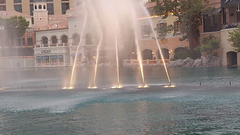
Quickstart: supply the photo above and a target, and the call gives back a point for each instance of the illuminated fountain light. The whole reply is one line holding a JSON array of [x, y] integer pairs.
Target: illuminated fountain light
[[143, 86], [117, 87], [95, 87], [170, 86], [67, 88], [70, 88]]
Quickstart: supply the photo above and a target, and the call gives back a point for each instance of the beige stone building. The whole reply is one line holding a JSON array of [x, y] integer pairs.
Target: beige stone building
[[54, 7], [219, 22]]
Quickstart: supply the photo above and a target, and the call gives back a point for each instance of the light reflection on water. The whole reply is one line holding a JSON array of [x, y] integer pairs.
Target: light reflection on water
[[186, 109]]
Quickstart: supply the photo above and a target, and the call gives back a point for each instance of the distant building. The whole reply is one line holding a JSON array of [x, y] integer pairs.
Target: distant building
[[57, 42], [54, 7]]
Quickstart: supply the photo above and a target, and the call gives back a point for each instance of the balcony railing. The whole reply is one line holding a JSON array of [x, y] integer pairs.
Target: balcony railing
[[144, 62], [52, 45], [231, 25]]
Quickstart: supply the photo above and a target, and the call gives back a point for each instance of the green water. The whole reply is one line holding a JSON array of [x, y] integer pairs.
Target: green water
[[210, 109]]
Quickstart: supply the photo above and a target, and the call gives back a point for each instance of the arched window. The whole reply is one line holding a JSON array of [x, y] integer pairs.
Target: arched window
[[54, 40], [35, 6], [39, 6], [64, 39], [88, 39], [147, 54], [44, 6], [76, 39], [44, 40], [165, 53]]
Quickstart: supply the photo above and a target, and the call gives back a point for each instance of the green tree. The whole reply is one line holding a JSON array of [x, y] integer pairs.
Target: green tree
[[189, 15], [15, 26], [164, 30], [234, 38], [209, 45]]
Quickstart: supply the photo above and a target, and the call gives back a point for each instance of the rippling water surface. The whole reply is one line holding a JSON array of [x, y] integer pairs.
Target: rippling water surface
[[212, 108]]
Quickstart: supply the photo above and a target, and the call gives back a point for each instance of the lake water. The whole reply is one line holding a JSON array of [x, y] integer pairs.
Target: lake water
[[34, 103]]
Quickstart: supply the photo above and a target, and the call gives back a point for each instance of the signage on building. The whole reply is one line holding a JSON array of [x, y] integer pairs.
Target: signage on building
[[46, 51]]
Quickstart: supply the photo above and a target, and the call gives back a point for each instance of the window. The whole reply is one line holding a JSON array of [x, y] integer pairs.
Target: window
[[30, 41], [161, 24], [177, 26], [212, 22], [2, 1], [146, 31], [17, 1], [76, 39], [65, 7], [45, 40], [54, 40], [18, 8], [31, 9], [64, 39], [60, 58], [39, 6], [2, 7], [50, 8]]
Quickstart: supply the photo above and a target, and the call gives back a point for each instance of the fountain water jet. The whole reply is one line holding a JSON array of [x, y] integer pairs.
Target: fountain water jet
[[117, 60], [155, 37], [96, 65], [75, 59], [139, 55]]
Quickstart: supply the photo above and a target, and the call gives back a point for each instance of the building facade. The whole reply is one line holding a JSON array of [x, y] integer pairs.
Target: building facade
[[219, 22], [55, 7], [57, 43]]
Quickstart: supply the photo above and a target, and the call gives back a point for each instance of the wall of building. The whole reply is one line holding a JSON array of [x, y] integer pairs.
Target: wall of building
[[226, 45], [26, 6], [49, 34]]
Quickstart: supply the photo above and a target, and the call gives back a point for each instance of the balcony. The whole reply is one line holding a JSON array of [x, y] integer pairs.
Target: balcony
[[52, 45]]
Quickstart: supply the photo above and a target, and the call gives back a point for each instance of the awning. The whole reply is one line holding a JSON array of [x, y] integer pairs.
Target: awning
[[214, 11], [60, 56], [38, 57], [73, 54], [230, 3], [53, 56], [45, 57]]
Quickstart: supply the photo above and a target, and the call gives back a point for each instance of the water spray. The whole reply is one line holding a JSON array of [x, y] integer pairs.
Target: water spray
[[75, 59], [158, 45], [139, 55]]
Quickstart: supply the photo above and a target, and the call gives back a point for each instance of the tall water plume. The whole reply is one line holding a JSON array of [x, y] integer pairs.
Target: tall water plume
[[156, 39], [139, 54], [79, 45]]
